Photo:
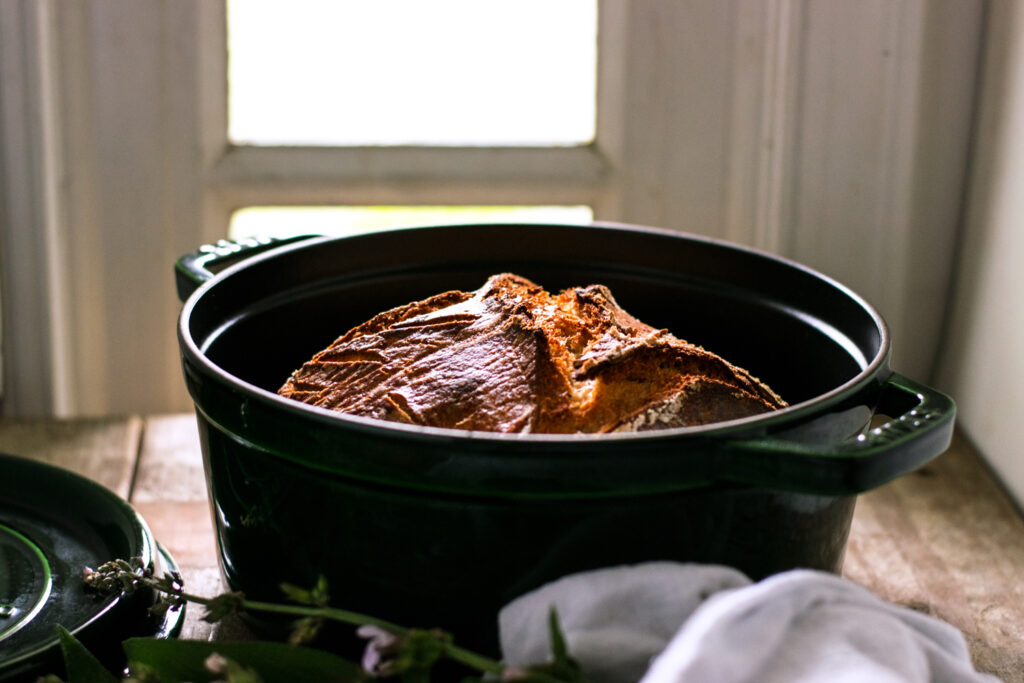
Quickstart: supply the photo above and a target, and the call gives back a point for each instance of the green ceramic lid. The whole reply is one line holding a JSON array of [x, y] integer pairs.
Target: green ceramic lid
[[53, 524]]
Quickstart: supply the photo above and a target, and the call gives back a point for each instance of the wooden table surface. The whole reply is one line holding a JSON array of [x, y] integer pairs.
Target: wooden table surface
[[945, 540]]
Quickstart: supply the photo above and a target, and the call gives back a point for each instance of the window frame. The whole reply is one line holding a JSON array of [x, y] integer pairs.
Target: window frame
[[245, 175]]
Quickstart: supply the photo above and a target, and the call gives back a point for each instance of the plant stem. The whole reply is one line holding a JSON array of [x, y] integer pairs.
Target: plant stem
[[332, 613], [452, 651]]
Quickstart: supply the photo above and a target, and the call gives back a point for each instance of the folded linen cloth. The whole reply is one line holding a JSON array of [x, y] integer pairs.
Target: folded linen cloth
[[663, 622]]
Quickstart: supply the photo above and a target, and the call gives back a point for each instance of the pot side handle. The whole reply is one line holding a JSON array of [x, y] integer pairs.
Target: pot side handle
[[195, 268], [921, 429]]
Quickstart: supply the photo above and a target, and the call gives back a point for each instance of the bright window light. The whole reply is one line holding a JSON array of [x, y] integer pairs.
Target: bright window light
[[412, 72], [286, 221]]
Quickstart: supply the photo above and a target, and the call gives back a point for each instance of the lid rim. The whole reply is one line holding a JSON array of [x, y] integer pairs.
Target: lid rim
[[39, 650]]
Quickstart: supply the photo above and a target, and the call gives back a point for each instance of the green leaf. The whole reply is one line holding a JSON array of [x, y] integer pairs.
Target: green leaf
[[305, 630], [81, 665], [419, 652], [184, 660], [561, 669], [559, 650], [321, 592], [224, 605], [318, 596], [296, 594], [232, 671]]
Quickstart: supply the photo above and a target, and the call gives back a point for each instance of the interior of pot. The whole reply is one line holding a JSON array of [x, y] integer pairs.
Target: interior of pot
[[801, 333]]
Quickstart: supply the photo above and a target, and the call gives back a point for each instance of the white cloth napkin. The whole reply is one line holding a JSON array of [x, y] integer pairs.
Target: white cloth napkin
[[673, 623]]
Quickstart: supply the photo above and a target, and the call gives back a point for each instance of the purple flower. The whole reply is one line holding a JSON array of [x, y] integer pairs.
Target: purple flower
[[380, 649]]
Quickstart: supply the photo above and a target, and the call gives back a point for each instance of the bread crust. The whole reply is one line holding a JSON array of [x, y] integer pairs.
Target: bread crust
[[511, 357]]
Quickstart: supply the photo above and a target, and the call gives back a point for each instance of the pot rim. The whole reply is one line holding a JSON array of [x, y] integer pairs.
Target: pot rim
[[875, 369]]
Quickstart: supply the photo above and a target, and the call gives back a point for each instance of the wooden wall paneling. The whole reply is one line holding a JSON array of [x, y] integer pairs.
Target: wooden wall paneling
[[832, 133], [880, 151], [131, 198], [27, 123], [982, 365]]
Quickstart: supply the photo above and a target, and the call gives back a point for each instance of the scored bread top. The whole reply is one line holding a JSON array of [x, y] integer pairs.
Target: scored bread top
[[511, 357]]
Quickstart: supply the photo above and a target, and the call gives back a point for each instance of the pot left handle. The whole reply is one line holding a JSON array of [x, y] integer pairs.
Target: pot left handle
[[195, 268]]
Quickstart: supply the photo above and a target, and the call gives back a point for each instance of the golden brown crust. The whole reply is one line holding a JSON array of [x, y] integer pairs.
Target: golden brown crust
[[511, 357]]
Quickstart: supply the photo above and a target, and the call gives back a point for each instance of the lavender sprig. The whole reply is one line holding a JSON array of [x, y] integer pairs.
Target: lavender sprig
[[407, 649]]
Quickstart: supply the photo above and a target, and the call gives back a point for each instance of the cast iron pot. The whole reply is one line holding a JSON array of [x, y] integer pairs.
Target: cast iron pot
[[433, 527]]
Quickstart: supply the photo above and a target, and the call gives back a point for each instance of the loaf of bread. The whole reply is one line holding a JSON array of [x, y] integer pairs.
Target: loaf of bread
[[510, 357]]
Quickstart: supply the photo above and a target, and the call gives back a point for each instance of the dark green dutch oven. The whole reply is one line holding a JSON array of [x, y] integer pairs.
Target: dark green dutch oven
[[434, 527]]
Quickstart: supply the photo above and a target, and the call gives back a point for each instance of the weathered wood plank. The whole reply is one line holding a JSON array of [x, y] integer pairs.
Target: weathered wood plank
[[170, 493], [170, 465], [184, 529], [947, 540], [102, 449]]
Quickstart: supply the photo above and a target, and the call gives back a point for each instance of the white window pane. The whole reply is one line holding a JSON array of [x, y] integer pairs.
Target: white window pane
[[285, 221], [389, 72]]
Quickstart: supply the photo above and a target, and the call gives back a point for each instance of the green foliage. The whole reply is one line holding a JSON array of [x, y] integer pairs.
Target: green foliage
[[318, 596], [392, 652], [410, 656], [223, 605], [81, 665], [236, 662], [305, 630], [561, 669]]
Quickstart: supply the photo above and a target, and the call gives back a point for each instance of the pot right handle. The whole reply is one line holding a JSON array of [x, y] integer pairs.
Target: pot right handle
[[920, 429]]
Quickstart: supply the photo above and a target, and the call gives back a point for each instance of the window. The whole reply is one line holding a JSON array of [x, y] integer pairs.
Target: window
[[394, 72], [451, 73]]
